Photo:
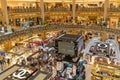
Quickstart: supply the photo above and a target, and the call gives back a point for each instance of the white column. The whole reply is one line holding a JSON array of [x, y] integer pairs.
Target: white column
[[106, 6], [42, 10], [73, 10], [4, 11]]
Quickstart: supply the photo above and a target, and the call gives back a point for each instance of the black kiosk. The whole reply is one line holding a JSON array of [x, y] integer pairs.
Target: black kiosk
[[70, 46]]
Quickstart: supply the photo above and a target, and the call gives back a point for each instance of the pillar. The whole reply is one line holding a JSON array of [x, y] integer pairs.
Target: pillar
[[4, 11], [63, 2], [73, 10], [42, 10], [106, 6]]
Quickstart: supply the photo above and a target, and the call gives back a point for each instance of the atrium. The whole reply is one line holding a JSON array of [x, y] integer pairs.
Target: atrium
[[59, 39]]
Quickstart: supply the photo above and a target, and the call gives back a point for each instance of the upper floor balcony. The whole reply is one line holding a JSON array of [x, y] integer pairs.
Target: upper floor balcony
[[58, 9], [24, 10], [87, 9], [52, 27], [114, 9]]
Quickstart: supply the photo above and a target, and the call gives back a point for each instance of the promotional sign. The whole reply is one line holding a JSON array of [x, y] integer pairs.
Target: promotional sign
[[20, 74], [80, 45], [66, 48], [59, 66]]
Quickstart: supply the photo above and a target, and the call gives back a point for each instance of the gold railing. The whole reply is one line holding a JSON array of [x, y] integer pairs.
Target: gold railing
[[57, 9], [23, 10], [114, 9], [85, 9], [61, 9], [39, 29], [97, 9]]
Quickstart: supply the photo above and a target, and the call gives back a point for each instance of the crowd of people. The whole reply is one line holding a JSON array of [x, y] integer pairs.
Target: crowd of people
[[45, 60], [67, 72], [3, 63]]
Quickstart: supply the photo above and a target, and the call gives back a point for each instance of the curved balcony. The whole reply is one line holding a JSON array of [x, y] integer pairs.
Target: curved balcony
[[85, 9], [35, 30], [23, 10]]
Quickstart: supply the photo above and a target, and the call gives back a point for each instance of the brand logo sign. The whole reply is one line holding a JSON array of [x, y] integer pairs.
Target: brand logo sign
[[21, 73]]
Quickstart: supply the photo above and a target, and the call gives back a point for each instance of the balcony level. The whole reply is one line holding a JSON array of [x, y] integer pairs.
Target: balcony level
[[114, 9], [24, 10], [38, 29], [58, 9], [87, 9]]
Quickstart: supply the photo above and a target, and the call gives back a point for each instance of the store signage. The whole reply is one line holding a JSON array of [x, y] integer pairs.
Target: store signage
[[102, 45], [21, 73]]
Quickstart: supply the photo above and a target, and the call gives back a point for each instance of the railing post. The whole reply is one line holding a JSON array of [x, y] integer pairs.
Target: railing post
[[42, 10], [106, 6], [73, 10]]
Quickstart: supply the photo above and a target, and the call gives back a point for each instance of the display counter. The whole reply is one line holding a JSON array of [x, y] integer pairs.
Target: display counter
[[96, 58], [17, 72], [19, 50], [105, 71], [96, 78], [35, 54], [41, 75]]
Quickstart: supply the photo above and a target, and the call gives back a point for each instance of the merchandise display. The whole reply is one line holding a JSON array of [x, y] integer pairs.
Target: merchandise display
[[59, 39]]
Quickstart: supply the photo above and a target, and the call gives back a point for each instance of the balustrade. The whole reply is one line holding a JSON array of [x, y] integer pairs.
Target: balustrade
[[114, 9], [35, 30], [23, 10], [57, 9], [85, 9], [61, 9]]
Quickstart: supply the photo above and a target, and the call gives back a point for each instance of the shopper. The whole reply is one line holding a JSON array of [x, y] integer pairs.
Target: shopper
[[71, 76], [58, 77], [23, 62], [83, 75], [8, 61]]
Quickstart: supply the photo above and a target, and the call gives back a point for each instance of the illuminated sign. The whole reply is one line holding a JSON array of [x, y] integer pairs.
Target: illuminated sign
[[20, 74]]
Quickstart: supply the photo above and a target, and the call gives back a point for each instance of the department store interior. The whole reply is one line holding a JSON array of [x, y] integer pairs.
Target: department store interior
[[59, 39]]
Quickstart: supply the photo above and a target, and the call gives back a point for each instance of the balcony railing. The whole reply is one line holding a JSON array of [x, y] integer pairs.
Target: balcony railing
[[57, 9], [85, 9], [23, 10], [52, 27], [114, 9], [97, 9], [60, 9], [1, 12]]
